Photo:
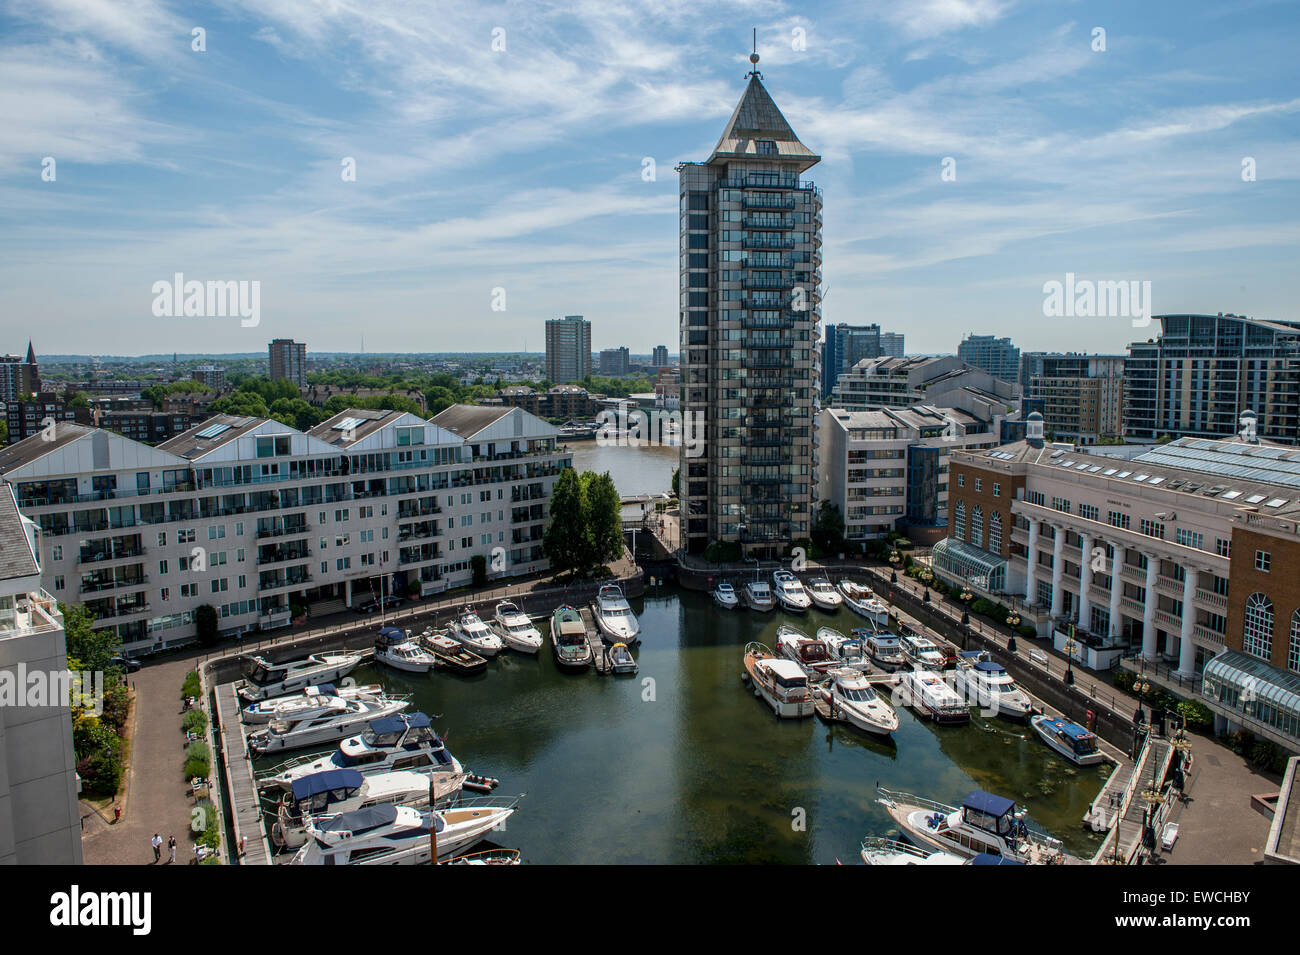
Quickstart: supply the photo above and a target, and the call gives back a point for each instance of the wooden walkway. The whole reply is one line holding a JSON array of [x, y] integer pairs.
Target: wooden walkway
[[241, 788], [598, 658]]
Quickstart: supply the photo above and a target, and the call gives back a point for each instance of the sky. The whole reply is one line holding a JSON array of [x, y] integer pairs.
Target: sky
[[514, 162]]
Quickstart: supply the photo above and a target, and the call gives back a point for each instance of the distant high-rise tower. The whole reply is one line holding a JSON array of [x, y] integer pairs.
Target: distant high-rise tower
[[891, 344], [568, 349], [289, 360], [846, 345], [749, 308], [997, 356], [660, 357], [19, 376]]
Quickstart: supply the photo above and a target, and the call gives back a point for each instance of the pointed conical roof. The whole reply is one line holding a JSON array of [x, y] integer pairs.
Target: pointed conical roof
[[31, 353], [756, 117]]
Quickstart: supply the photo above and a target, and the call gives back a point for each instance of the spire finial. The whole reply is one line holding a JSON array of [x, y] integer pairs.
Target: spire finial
[[753, 57]]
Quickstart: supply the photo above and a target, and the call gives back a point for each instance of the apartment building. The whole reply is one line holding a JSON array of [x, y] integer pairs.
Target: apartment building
[[1185, 552], [568, 349], [615, 362], [212, 376], [1081, 397], [19, 376], [253, 517], [887, 470], [892, 344], [40, 820], [997, 356], [749, 305], [36, 415], [1202, 372], [659, 358], [845, 346], [288, 360], [889, 382]]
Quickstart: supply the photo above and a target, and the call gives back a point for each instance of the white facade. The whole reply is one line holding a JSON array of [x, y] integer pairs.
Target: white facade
[[253, 517]]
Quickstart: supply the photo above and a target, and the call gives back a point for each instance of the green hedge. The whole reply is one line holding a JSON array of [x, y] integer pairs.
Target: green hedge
[[191, 686], [195, 721]]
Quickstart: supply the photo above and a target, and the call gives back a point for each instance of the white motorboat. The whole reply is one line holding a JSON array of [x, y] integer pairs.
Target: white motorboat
[[614, 616], [621, 659], [824, 595], [848, 651], [470, 630], [404, 741], [986, 683], [400, 835], [311, 702], [864, 603], [929, 694], [921, 652], [281, 735], [789, 592], [515, 628], [984, 824], [782, 684], [263, 679], [569, 639], [758, 596], [403, 652], [852, 697], [812, 655], [1069, 739], [334, 791], [893, 852], [882, 647], [724, 595]]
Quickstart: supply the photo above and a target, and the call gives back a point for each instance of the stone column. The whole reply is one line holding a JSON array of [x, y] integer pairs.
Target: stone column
[[1149, 649], [1058, 570], [1085, 582], [1116, 590], [1031, 564], [1186, 648]]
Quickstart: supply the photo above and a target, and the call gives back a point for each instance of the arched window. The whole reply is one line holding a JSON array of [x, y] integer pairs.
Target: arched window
[[959, 522], [995, 532], [977, 526], [1293, 652], [1257, 633]]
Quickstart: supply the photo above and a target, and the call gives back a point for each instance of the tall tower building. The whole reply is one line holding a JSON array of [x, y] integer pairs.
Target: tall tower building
[[750, 303], [660, 356], [846, 345], [568, 349], [997, 356], [288, 359]]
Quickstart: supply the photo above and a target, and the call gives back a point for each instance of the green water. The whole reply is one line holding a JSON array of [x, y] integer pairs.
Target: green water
[[703, 772]]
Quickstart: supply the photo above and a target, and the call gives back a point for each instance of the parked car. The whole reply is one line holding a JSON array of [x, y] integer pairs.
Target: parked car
[[126, 663]]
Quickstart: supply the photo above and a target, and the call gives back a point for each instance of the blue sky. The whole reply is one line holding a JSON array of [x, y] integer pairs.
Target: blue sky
[[521, 168]]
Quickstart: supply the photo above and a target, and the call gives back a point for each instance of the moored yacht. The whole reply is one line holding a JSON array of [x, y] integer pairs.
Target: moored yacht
[[882, 647], [614, 616], [758, 596], [403, 652], [893, 852], [812, 655], [782, 684], [864, 603], [400, 835], [984, 823], [847, 651], [927, 693], [451, 654], [312, 702], [824, 595], [987, 683], [281, 735], [263, 679], [515, 628], [621, 659], [343, 790], [1069, 739], [852, 697], [470, 630], [569, 639], [403, 741], [789, 592], [921, 652], [724, 595]]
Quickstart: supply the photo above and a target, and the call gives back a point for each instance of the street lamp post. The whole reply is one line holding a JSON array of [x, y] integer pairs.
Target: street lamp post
[[1070, 647]]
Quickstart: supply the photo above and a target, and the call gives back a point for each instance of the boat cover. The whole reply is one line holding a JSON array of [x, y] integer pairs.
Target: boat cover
[[392, 635], [361, 820], [326, 781], [988, 666], [988, 858], [396, 724], [1072, 730], [987, 803]]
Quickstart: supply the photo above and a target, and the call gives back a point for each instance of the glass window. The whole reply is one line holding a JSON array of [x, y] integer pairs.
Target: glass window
[[1257, 633]]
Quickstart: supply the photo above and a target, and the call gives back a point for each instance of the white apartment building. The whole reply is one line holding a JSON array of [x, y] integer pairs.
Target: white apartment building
[[887, 470], [253, 517], [889, 382], [40, 822]]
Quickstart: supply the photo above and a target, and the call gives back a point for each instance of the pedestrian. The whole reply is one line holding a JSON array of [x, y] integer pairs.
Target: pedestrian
[[171, 847], [156, 842]]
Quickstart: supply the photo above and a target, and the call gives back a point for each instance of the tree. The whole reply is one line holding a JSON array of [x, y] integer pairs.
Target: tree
[[205, 624], [828, 527], [566, 540], [241, 404], [677, 476], [604, 517], [89, 649]]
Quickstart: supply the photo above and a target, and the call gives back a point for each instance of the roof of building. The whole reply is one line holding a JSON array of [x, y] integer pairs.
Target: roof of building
[[38, 445], [756, 117], [352, 425], [16, 557], [469, 420], [209, 434]]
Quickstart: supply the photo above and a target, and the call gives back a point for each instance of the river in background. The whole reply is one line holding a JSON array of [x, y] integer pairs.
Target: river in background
[[635, 470], [702, 772]]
